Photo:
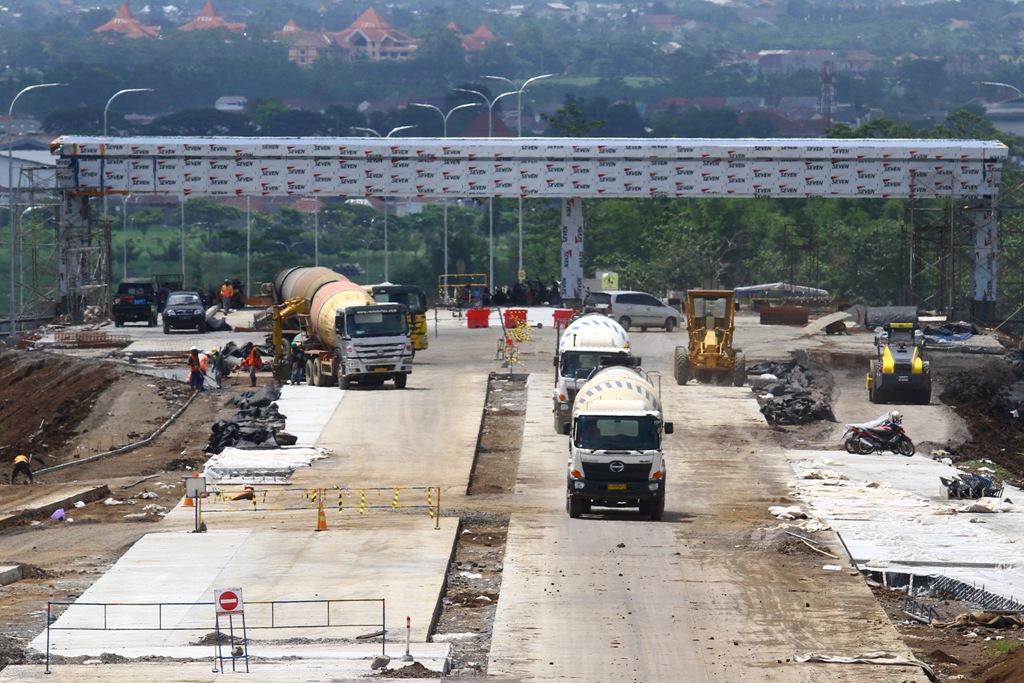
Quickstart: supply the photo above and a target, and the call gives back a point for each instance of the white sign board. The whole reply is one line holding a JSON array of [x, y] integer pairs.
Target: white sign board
[[228, 601], [195, 487], [572, 249]]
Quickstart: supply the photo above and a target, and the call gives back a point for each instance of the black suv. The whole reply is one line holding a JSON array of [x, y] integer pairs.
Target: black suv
[[135, 301], [184, 310]]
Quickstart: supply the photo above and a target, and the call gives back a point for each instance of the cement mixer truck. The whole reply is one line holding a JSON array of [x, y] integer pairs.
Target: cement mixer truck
[[615, 452], [587, 344], [349, 338]]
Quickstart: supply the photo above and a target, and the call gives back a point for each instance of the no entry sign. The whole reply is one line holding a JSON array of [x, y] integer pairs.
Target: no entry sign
[[228, 600]]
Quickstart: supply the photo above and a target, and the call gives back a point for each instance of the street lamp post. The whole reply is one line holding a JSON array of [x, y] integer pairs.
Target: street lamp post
[[397, 129], [106, 110], [444, 125], [124, 219], [519, 133], [21, 256], [490, 102], [10, 191]]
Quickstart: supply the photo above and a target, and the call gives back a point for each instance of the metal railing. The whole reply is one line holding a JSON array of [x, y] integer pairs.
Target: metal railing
[[265, 618]]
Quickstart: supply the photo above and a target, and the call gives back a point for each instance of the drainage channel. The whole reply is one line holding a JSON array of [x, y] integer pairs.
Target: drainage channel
[[473, 582]]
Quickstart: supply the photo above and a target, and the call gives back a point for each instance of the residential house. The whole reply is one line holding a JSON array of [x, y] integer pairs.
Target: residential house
[[475, 41], [125, 24], [371, 37], [209, 19]]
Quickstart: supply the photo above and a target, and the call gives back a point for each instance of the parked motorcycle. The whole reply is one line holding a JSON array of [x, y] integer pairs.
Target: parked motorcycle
[[878, 436]]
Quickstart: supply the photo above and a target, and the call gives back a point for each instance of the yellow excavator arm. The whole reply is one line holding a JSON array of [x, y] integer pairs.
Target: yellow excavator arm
[[281, 313]]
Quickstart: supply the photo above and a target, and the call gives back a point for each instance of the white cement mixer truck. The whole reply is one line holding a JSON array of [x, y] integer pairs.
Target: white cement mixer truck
[[615, 453], [348, 337], [587, 344]]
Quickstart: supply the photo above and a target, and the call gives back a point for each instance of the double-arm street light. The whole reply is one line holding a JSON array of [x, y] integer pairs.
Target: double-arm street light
[[10, 190], [106, 111], [397, 129], [444, 126], [519, 133], [489, 102]]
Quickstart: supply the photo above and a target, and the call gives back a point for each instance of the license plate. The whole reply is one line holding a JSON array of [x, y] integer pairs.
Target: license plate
[[380, 369], [904, 378], [616, 487]]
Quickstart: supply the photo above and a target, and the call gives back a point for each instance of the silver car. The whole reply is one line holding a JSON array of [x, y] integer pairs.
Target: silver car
[[633, 309]]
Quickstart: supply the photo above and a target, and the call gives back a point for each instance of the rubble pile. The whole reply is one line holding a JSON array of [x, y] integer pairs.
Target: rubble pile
[[257, 424], [787, 395]]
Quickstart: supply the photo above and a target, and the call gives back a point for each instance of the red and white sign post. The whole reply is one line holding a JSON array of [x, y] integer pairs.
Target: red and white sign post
[[227, 602]]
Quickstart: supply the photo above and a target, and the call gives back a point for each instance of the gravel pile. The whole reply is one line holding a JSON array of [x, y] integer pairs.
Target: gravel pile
[[787, 394], [257, 424]]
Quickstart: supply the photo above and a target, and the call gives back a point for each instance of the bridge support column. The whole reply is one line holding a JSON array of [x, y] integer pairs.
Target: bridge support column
[[983, 215], [74, 248], [572, 249]]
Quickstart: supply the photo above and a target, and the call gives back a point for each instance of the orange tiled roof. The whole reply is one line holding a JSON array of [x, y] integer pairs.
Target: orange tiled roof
[[375, 30], [125, 23], [209, 18]]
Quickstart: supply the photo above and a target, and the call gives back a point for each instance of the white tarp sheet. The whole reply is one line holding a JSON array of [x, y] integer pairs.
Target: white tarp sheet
[[260, 466]]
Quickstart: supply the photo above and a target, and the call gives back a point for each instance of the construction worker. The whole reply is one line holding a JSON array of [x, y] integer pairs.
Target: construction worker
[[227, 292], [252, 360], [217, 359], [22, 467], [195, 369], [298, 362]]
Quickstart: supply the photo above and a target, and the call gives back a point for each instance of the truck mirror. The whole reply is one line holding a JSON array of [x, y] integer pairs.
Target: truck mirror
[[669, 427], [566, 429]]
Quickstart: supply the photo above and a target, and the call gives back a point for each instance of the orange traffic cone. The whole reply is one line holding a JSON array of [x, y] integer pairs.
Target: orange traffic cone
[[321, 517]]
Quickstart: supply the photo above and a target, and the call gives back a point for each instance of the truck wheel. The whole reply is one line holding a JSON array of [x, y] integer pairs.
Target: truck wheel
[[577, 506], [344, 381], [309, 372], [682, 372], [400, 381], [875, 392], [739, 376], [625, 322], [653, 508], [319, 377]]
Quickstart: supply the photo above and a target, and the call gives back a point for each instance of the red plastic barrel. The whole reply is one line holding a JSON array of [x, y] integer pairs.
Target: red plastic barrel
[[514, 316], [562, 316], [477, 317]]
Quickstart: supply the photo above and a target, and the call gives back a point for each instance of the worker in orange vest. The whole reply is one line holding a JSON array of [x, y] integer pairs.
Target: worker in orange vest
[[226, 294], [195, 369], [22, 467], [252, 360]]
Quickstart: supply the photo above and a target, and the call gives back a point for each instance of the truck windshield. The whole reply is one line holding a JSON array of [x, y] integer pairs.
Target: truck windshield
[[376, 323], [414, 300], [579, 364], [612, 433]]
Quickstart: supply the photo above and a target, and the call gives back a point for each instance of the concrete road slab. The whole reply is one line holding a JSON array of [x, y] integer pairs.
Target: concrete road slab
[[180, 342], [405, 566], [308, 410], [9, 573], [304, 670], [424, 435]]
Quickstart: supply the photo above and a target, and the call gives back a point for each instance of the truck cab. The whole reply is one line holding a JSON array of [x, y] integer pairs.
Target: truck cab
[[588, 344], [373, 345], [615, 450], [414, 300]]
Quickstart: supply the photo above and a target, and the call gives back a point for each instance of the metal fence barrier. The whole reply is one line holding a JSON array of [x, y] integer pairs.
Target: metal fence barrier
[[266, 614], [341, 498]]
